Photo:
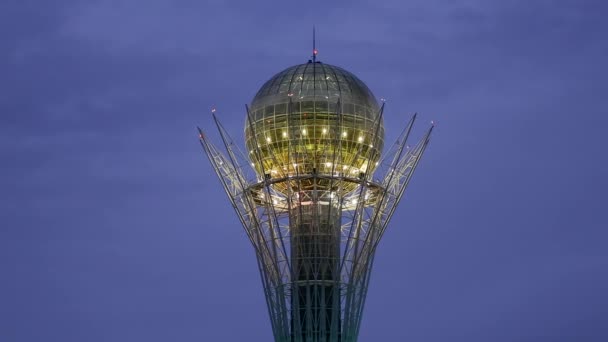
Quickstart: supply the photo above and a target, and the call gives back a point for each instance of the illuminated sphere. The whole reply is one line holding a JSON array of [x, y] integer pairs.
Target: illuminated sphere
[[314, 119]]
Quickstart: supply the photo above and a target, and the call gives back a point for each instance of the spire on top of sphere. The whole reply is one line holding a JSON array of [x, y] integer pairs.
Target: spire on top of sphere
[[314, 48]]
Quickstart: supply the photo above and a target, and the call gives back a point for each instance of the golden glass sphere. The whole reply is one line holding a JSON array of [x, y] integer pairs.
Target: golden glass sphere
[[318, 120]]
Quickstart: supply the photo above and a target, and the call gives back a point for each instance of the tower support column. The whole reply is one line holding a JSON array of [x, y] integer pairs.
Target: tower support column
[[315, 250]]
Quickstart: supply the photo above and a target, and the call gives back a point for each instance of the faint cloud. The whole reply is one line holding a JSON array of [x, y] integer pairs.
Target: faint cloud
[[159, 26]]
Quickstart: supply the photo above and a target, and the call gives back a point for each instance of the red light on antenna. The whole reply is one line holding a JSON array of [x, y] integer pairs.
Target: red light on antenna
[[315, 52]]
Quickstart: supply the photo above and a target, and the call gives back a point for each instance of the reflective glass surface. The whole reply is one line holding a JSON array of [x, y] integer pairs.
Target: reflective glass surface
[[314, 118]]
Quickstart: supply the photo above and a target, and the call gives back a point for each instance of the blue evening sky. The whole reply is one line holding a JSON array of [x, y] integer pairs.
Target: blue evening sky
[[113, 227]]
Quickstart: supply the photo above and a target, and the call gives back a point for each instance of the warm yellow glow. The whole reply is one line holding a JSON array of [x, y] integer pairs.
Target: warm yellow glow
[[312, 142], [324, 133]]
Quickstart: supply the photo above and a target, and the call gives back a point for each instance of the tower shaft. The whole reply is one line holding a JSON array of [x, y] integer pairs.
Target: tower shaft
[[315, 254]]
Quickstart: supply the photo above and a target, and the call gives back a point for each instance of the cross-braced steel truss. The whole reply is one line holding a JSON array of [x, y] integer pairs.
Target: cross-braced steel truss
[[314, 234]]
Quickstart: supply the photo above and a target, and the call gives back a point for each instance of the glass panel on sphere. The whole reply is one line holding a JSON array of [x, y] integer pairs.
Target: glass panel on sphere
[[348, 108], [269, 110], [307, 107], [280, 108], [321, 106]]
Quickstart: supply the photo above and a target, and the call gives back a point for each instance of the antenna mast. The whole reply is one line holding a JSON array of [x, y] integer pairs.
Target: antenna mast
[[314, 47]]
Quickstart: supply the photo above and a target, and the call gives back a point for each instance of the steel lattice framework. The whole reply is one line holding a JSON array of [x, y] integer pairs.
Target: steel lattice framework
[[314, 234]]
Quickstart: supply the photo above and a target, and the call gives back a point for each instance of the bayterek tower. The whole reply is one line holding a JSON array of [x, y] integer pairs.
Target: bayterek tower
[[314, 188]]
